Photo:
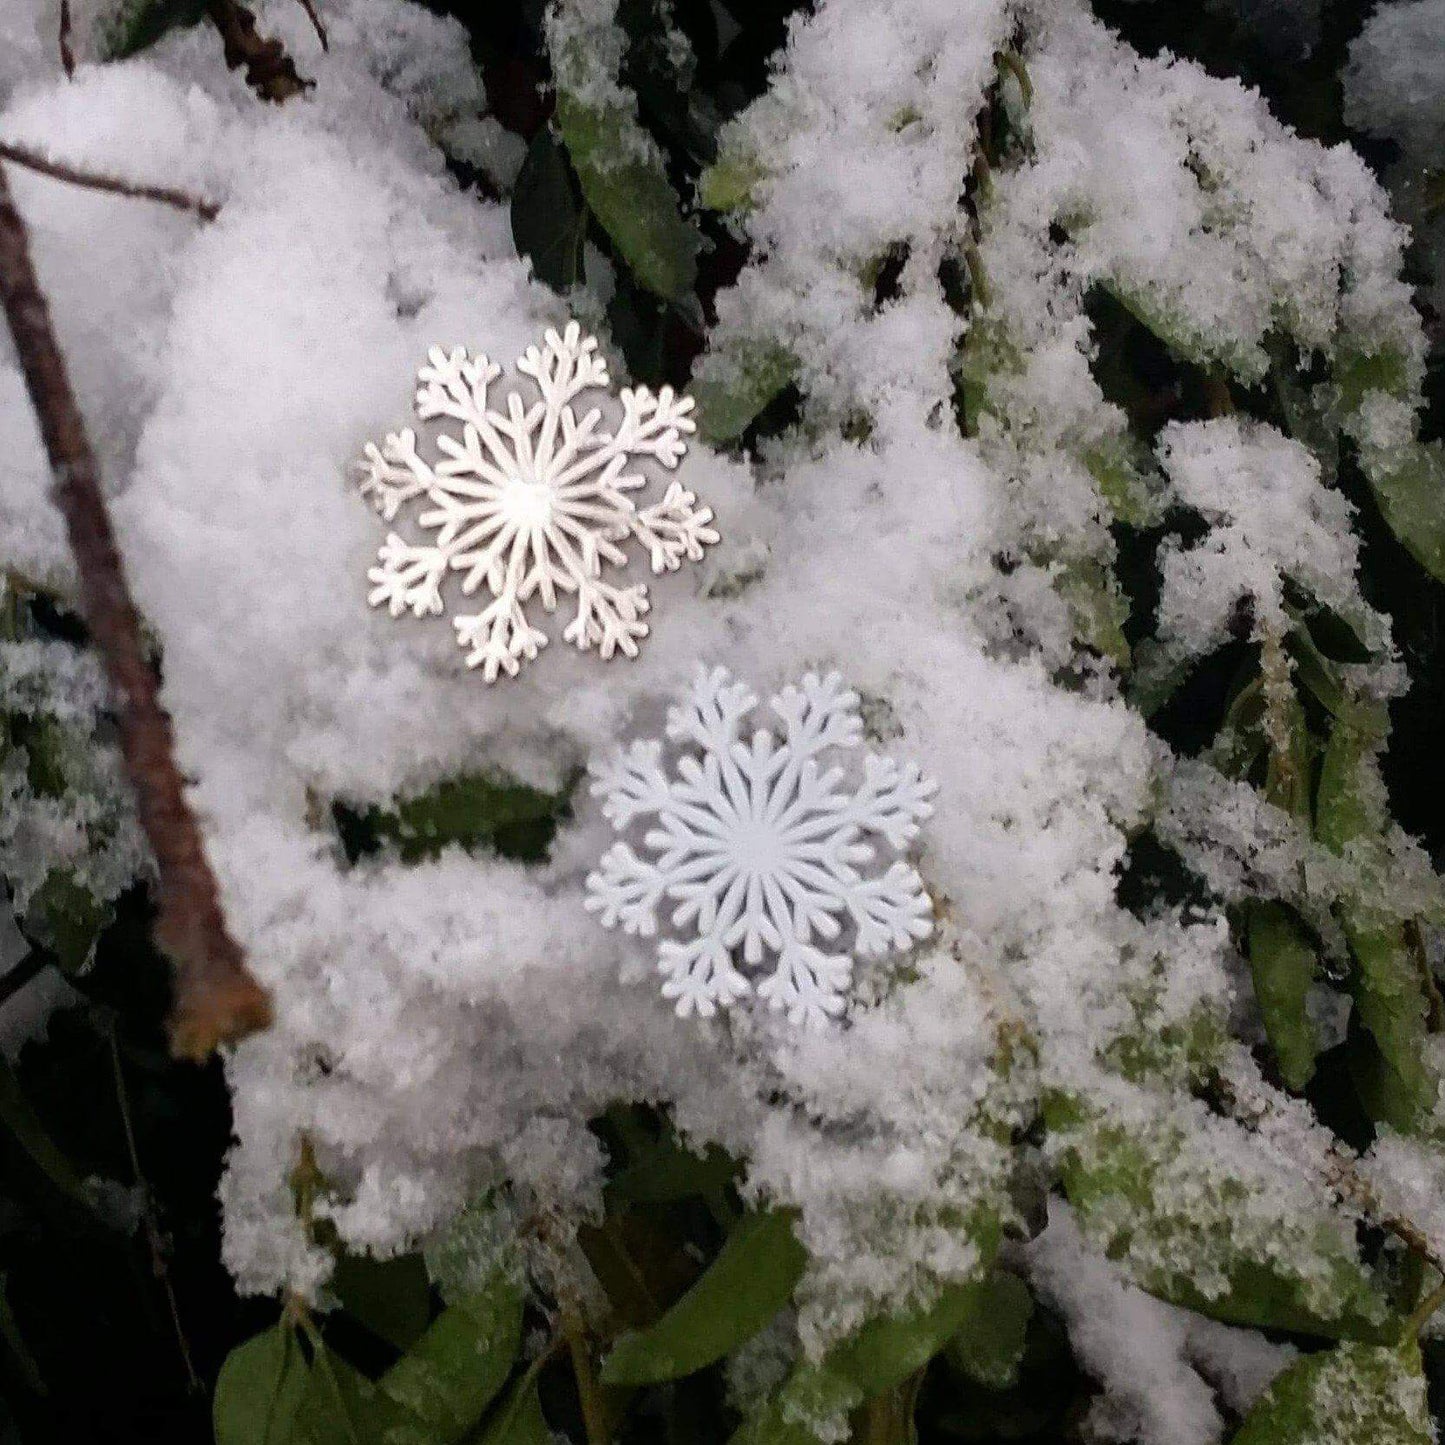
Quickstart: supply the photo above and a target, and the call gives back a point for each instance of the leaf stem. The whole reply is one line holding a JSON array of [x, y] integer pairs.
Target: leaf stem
[[589, 1389], [1423, 1312]]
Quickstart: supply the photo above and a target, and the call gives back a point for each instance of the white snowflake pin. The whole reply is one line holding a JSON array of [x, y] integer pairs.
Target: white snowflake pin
[[758, 848], [531, 501]]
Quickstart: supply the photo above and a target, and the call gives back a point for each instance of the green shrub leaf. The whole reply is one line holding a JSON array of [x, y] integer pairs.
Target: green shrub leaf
[[1352, 1395], [1386, 982], [988, 1345], [549, 221], [1282, 961], [391, 1297], [732, 389], [259, 1390], [1411, 494], [454, 1371], [471, 812], [629, 193], [520, 1420], [747, 1284]]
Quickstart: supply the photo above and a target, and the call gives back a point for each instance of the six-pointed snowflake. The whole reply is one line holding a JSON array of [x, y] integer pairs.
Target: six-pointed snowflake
[[532, 501], [754, 847]]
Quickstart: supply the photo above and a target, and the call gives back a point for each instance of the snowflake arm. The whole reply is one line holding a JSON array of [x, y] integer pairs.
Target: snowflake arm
[[673, 529], [394, 473]]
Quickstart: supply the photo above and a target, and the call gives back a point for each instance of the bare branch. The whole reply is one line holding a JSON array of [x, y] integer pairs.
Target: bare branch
[[269, 70], [316, 24], [67, 54], [216, 998], [58, 170]]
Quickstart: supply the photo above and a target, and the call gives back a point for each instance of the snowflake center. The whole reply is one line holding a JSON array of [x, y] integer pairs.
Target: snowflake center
[[757, 847], [527, 504]]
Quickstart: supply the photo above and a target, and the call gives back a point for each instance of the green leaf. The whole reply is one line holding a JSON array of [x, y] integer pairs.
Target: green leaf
[[136, 25], [520, 1420], [988, 1345], [471, 812], [628, 191], [259, 1390], [24, 1125], [1138, 1186], [1386, 982], [391, 1297], [746, 1285], [728, 184], [454, 1371], [549, 221], [66, 918], [1392, 1006], [668, 1172], [731, 389], [1411, 494], [1347, 805], [1352, 1395], [1099, 609], [1282, 962], [882, 1354], [338, 1407]]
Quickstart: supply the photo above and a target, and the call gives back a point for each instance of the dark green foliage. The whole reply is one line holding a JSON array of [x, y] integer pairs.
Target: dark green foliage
[[471, 812]]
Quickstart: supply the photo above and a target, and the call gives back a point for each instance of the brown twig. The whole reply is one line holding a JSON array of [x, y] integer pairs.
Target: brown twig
[[58, 170], [269, 70], [67, 54], [316, 24], [216, 998]]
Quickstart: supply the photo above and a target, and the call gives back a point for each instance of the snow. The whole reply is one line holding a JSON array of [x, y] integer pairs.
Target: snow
[[447, 1027], [1158, 1365]]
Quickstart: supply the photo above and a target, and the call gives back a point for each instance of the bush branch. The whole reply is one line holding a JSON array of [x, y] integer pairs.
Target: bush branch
[[33, 160], [216, 998], [270, 72]]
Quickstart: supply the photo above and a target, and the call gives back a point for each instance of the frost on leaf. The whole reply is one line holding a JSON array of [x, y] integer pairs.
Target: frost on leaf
[[532, 500], [757, 847]]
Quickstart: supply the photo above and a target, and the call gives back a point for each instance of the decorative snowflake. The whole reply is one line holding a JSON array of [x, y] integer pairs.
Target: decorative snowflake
[[759, 848], [532, 500]]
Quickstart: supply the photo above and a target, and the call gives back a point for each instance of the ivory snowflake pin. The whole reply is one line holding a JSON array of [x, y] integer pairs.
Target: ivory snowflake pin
[[532, 501], [755, 847]]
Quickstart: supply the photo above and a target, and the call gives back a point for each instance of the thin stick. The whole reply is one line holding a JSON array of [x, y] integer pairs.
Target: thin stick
[[589, 1390], [67, 54], [316, 24], [33, 160], [154, 1238], [18, 975], [216, 998]]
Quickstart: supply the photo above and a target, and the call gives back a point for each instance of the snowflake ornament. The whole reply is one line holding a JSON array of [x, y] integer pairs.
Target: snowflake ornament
[[531, 501], [754, 847]]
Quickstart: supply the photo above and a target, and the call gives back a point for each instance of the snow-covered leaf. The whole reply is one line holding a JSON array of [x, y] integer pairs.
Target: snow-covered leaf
[[1351, 1395], [631, 197], [454, 1371]]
